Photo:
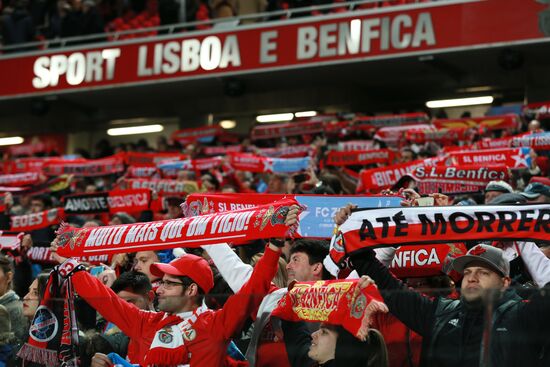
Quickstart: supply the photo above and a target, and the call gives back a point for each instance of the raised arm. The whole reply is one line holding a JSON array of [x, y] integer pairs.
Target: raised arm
[[233, 270]]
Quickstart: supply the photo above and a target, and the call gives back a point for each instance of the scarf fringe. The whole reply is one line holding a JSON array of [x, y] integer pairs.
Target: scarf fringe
[[38, 355]]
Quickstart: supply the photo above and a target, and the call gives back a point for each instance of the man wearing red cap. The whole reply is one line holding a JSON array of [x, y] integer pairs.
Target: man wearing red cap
[[184, 332]]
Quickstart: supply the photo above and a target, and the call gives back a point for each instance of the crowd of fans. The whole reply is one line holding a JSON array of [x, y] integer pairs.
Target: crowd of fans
[[24, 21], [195, 306]]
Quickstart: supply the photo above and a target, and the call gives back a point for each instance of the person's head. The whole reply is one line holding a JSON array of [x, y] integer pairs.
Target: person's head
[[36, 293], [40, 203], [407, 155], [277, 183], [537, 193], [143, 262], [495, 189], [209, 182], [92, 223], [485, 269], [335, 343], [306, 260], [121, 218], [173, 209], [6, 274], [184, 283], [534, 125], [135, 288]]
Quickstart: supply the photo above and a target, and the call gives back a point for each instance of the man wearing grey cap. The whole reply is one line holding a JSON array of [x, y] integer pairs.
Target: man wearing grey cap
[[537, 193], [496, 188], [453, 330]]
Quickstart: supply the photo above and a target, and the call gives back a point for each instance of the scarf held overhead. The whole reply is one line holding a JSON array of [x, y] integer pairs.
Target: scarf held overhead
[[315, 220], [266, 221], [259, 164], [330, 301], [53, 334], [425, 225], [130, 201]]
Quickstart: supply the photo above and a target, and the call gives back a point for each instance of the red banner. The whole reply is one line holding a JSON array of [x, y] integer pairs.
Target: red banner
[[290, 129], [21, 165], [10, 241], [286, 152], [359, 158], [395, 134], [510, 157], [424, 261], [457, 179], [539, 110], [385, 177], [142, 172], [84, 167], [428, 225], [538, 141], [43, 255], [335, 302], [129, 201], [186, 136], [30, 222], [488, 143], [355, 145], [438, 135], [161, 186], [138, 159], [236, 227], [509, 121], [222, 150], [414, 30], [374, 122], [20, 179]]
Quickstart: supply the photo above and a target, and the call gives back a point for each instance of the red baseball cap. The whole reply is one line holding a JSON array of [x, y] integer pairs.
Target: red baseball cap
[[194, 267]]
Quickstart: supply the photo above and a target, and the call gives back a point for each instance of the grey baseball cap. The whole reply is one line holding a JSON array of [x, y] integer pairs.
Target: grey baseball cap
[[490, 255], [535, 189]]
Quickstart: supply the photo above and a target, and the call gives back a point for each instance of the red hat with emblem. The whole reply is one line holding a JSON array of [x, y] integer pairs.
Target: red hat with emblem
[[194, 267]]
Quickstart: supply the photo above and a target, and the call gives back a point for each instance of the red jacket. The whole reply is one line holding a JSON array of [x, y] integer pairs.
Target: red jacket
[[214, 329]]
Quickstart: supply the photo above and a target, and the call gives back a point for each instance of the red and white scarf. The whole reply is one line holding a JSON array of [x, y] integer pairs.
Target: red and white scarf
[[139, 159], [168, 347], [509, 121], [510, 157], [33, 221], [84, 167], [336, 302], [457, 179], [161, 186], [425, 225], [19, 179], [359, 158], [129, 201], [382, 178], [238, 227]]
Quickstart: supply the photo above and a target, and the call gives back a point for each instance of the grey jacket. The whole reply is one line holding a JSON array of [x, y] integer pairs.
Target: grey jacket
[[19, 324]]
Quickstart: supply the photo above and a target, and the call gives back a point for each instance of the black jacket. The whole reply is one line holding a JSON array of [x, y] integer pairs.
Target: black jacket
[[452, 330]]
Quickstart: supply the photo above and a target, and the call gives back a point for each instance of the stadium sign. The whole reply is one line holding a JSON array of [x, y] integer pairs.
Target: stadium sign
[[416, 29]]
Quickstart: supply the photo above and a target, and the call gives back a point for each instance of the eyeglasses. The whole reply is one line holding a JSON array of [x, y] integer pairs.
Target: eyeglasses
[[167, 284]]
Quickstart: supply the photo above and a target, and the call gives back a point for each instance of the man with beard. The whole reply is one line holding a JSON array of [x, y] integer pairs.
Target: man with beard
[[453, 330]]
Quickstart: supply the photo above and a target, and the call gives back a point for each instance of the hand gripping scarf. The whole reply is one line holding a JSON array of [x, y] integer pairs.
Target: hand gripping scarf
[[336, 302], [431, 225], [237, 227], [53, 334]]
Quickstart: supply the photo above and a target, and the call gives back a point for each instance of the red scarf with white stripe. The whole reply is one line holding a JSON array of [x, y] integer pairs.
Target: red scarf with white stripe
[[424, 225]]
